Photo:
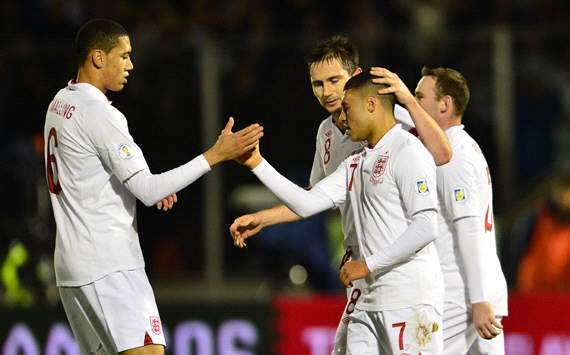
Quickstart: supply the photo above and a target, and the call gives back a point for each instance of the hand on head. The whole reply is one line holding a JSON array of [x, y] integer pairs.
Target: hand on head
[[232, 145], [395, 85]]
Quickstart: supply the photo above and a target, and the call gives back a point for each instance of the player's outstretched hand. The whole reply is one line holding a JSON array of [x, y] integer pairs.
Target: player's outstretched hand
[[395, 85], [231, 145], [167, 203], [244, 227], [484, 320], [353, 270], [250, 159]]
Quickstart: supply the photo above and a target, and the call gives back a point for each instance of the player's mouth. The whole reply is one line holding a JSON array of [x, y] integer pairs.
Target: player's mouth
[[332, 102]]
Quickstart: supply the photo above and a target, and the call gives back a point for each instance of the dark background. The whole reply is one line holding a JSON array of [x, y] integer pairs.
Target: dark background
[[263, 78]]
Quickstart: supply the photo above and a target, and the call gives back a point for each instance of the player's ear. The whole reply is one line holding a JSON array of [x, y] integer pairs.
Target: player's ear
[[357, 71], [446, 104], [371, 103], [98, 58]]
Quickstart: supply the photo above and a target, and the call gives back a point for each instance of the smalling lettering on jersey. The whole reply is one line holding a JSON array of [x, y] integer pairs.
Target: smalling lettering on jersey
[[62, 108]]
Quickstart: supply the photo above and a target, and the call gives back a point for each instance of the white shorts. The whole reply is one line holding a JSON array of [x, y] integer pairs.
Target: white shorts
[[113, 314], [459, 333], [410, 331], [353, 294]]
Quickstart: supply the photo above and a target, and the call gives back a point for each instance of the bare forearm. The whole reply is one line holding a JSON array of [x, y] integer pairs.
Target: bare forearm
[[432, 136], [277, 215], [212, 157]]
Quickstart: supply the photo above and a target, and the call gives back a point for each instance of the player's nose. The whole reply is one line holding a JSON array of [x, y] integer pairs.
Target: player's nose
[[130, 65]]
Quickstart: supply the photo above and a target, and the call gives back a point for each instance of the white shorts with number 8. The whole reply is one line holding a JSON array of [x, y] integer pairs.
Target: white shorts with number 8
[[353, 294]]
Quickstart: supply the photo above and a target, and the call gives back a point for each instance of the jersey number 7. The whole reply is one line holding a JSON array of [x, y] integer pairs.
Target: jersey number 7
[[353, 166]]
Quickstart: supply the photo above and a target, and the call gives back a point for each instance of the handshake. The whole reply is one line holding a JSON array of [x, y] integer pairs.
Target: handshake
[[241, 146]]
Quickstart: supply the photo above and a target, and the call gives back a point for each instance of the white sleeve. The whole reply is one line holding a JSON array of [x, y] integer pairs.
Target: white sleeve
[[151, 188], [421, 232], [458, 186], [114, 144], [318, 169], [305, 203], [471, 249], [414, 172]]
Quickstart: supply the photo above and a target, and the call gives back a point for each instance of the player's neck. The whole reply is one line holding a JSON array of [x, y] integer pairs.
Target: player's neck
[[85, 75], [380, 129], [336, 118], [452, 122]]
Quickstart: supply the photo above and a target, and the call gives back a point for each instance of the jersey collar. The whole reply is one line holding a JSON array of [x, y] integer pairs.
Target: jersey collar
[[88, 89], [452, 129], [335, 127], [385, 139]]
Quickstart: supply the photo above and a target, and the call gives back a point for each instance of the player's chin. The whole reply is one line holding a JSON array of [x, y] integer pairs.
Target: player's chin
[[334, 108], [353, 136], [118, 86]]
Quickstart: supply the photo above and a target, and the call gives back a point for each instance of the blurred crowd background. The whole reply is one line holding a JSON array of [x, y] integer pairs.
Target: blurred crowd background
[[260, 76]]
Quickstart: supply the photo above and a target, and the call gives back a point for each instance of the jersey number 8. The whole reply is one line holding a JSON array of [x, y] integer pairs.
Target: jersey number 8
[[327, 156]]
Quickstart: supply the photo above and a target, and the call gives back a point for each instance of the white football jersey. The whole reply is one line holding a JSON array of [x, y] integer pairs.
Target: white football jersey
[[386, 185], [465, 190], [331, 149], [89, 154]]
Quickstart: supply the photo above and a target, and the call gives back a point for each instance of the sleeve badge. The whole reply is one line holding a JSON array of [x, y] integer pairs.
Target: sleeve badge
[[459, 194], [422, 187], [125, 151]]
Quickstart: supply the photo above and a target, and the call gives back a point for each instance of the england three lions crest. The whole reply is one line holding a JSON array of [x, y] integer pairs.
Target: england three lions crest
[[379, 168]]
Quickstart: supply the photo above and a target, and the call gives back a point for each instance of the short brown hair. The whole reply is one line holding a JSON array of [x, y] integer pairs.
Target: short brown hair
[[335, 47], [450, 82]]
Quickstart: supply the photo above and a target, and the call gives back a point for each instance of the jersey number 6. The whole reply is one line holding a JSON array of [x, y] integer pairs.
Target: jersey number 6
[[51, 164]]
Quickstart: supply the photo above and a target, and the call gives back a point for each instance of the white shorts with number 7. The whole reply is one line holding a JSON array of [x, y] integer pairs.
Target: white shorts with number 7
[[409, 331]]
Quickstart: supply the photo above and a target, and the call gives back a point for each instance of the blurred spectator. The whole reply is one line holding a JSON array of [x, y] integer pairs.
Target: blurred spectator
[[545, 266], [538, 110]]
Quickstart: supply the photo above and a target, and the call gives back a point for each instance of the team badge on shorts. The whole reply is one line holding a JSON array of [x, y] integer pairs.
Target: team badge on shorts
[[155, 324], [459, 194], [125, 151], [422, 187]]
